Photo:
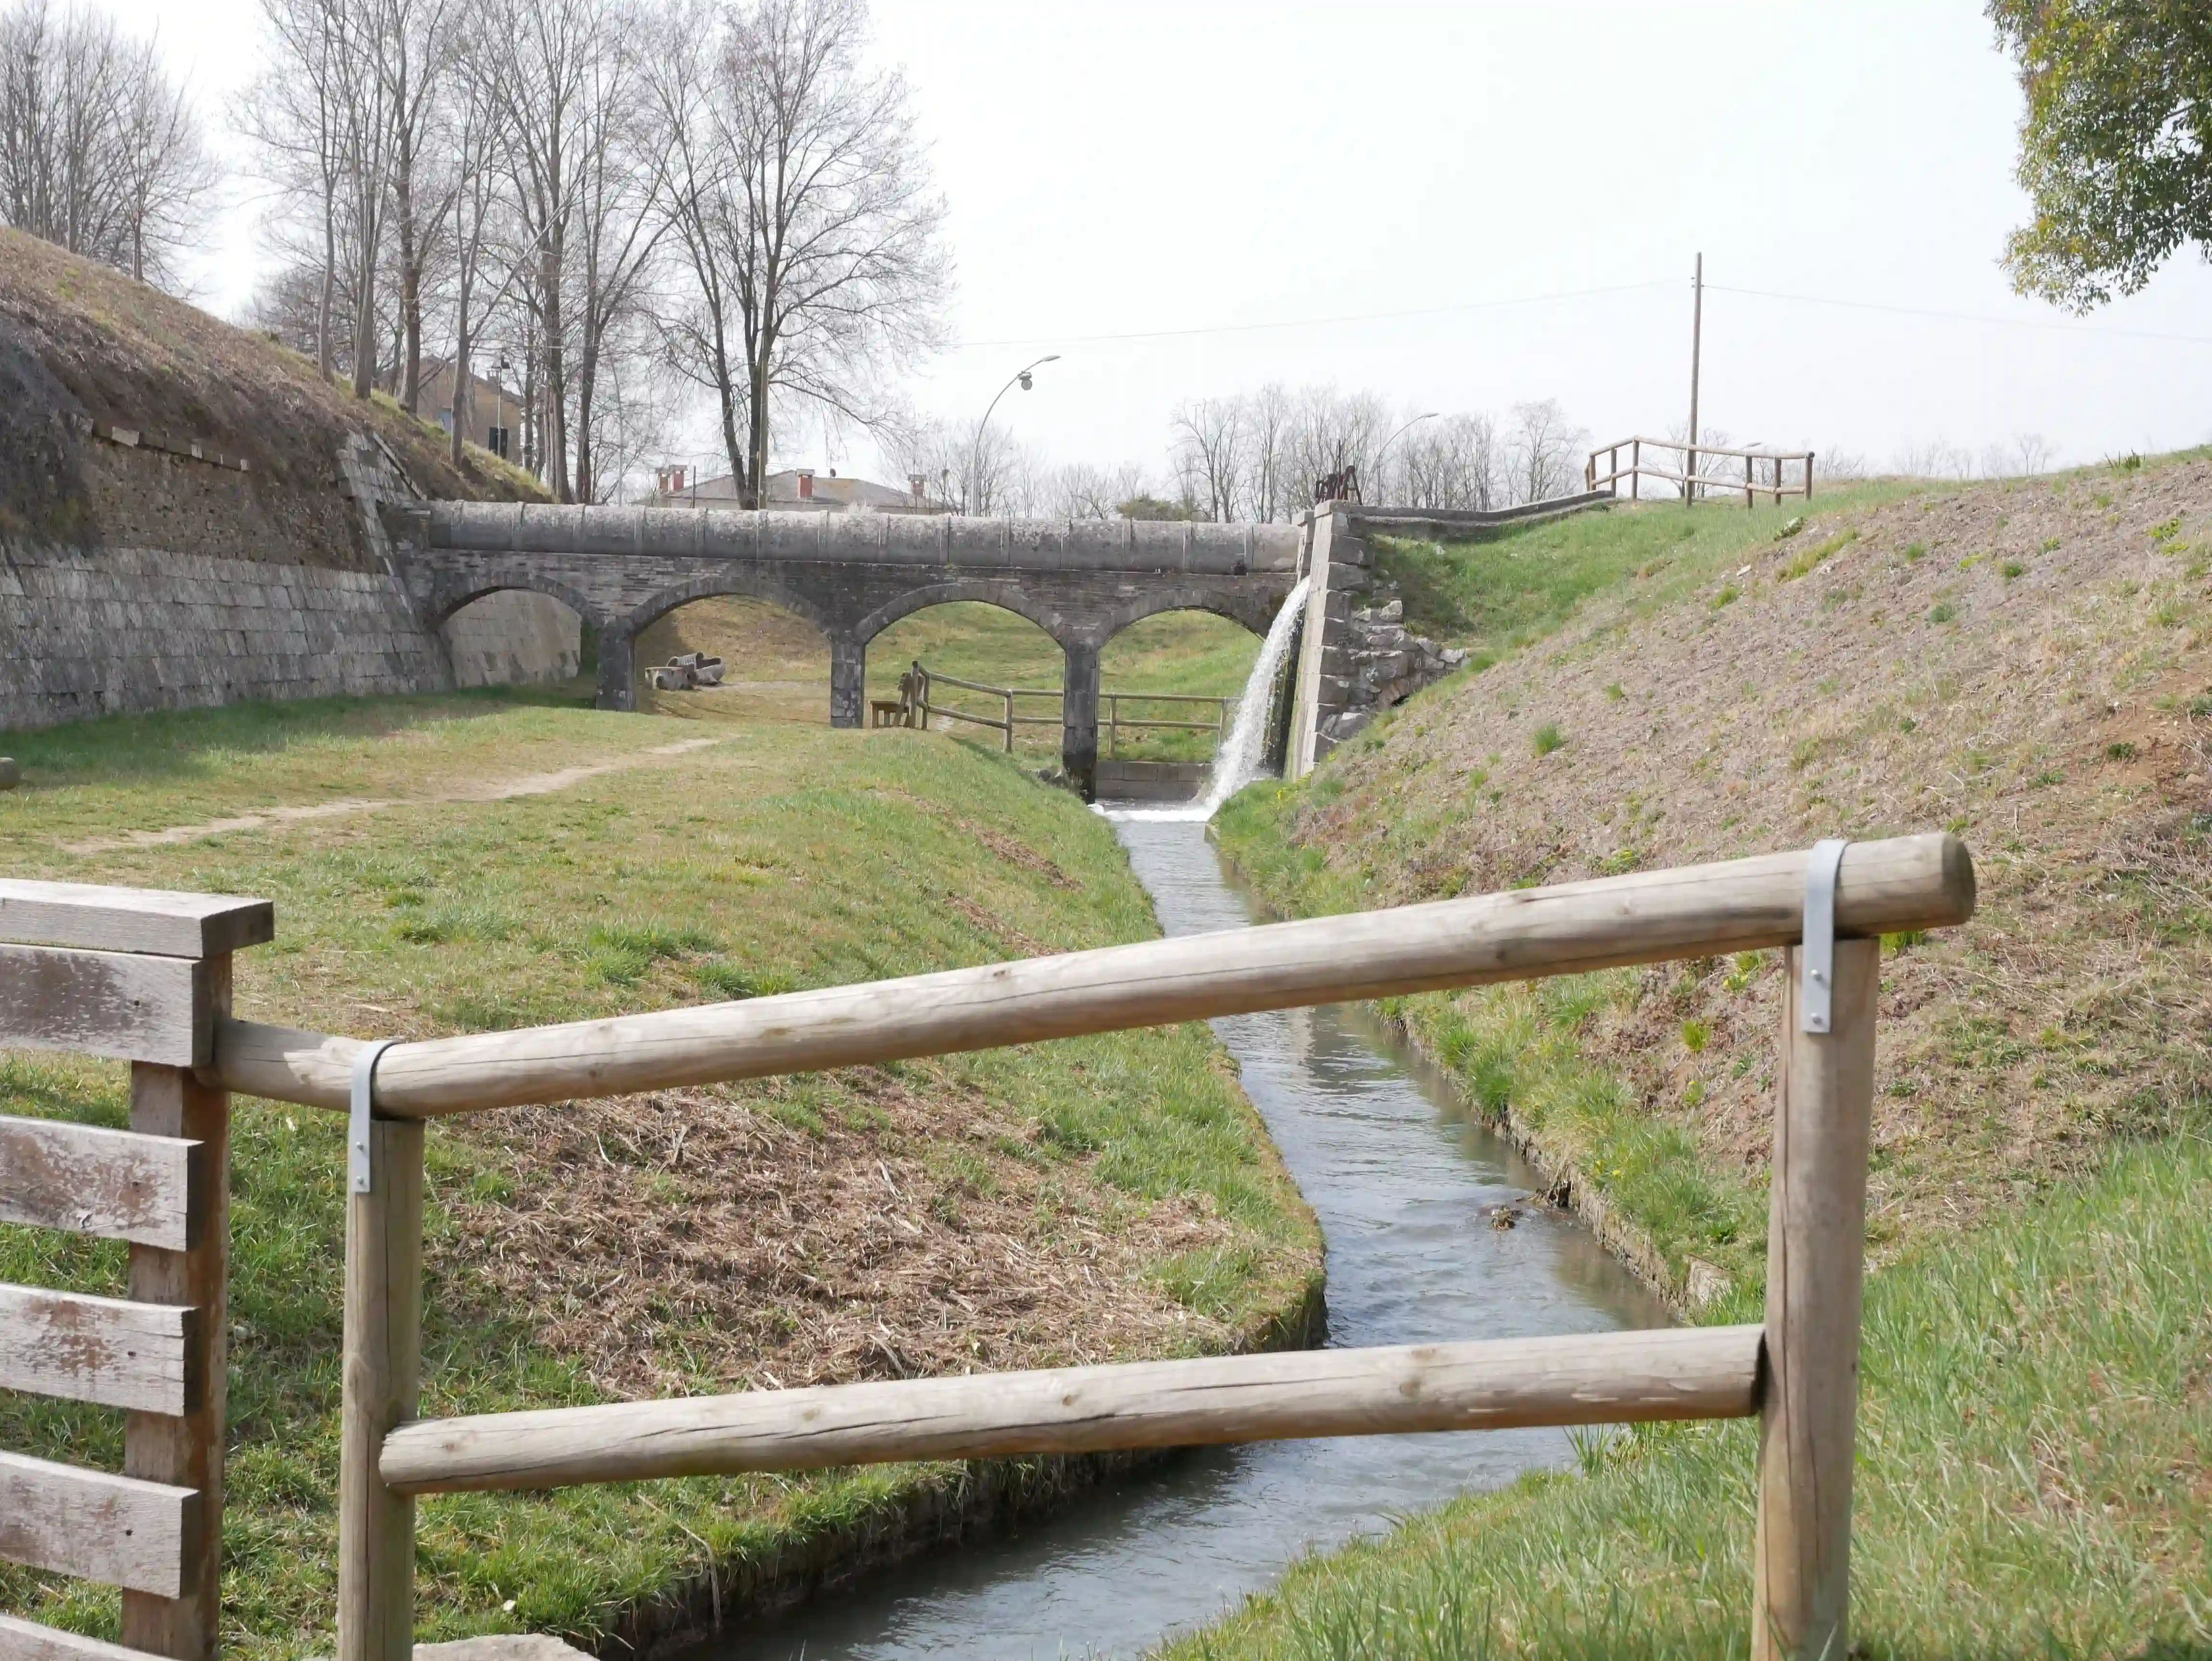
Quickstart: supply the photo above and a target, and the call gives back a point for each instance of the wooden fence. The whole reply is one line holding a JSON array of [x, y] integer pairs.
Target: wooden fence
[[916, 686], [1694, 474], [143, 978], [1797, 1372]]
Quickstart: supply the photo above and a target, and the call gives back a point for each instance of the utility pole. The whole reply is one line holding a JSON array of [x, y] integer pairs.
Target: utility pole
[[1696, 351]]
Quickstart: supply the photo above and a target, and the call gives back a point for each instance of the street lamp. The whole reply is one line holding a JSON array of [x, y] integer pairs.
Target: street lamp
[[1394, 437], [1022, 379]]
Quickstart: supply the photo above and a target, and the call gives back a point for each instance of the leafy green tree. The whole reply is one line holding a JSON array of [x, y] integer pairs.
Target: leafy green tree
[[2116, 148]]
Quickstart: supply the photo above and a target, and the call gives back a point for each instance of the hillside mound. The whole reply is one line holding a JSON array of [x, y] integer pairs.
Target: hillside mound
[[80, 343], [2028, 663]]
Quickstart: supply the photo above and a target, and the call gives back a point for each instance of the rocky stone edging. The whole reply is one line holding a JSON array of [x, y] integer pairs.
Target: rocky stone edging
[[1389, 663]]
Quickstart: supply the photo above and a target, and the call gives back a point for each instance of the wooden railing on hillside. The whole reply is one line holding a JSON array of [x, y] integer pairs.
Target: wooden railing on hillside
[[1797, 1372], [917, 685], [1699, 471]]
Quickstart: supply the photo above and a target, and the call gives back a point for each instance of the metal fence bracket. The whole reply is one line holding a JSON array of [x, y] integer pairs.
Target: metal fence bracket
[[1816, 955], [360, 1178]]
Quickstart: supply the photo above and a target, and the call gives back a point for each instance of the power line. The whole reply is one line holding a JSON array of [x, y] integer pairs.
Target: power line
[[1964, 317], [1314, 322], [2048, 324]]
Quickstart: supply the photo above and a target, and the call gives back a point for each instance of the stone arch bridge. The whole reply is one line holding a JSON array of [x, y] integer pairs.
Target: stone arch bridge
[[852, 575]]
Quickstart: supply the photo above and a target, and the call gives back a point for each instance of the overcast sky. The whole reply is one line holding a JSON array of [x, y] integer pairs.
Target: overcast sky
[[1192, 196]]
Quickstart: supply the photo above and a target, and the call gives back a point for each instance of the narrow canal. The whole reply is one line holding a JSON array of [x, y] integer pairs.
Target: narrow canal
[[1404, 1187]]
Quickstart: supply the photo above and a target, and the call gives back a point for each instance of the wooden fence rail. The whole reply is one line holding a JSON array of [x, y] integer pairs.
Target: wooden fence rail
[[1766, 472], [1797, 1371], [142, 977], [916, 687]]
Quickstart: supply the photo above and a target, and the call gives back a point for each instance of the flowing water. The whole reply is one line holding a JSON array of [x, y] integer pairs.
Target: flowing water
[[1239, 760], [1404, 1187]]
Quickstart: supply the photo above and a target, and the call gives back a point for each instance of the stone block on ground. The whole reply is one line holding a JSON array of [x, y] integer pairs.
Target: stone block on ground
[[504, 1646], [528, 1646]]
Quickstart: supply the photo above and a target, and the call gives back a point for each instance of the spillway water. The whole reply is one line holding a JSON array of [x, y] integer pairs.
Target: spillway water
[[1403, 1185], [1240, 758]]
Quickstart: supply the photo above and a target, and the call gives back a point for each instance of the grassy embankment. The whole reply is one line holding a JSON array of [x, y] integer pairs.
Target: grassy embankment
[[2028, 663], [462, 867], [780, 666]]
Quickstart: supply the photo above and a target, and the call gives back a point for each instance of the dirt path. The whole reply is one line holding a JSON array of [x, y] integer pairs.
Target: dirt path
[[272, 818]]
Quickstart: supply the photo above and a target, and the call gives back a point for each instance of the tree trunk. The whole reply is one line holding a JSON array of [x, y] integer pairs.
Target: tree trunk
[[328, 298], [753, 491], [586, 384], [364, 327], [411, 312], [554, 439], [462, 410]]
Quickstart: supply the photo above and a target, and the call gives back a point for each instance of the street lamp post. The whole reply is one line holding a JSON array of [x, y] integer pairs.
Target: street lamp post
[[976, 452], [1394, 437]]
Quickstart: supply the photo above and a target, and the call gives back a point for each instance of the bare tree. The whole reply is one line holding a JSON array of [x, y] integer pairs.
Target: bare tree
[[2031, 453], [1453, 463], [1540, 452], [619, 221], [99, 151], [1268, 419], [1207, 443], [291, 113], [812, 224], [483, 271], [548, 49], [414, 46], [700, 326], [1330, 431]]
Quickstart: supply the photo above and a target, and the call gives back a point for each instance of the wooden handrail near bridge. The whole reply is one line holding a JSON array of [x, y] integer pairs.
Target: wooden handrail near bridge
[[1766, 472], [86, 979], [918, 684]]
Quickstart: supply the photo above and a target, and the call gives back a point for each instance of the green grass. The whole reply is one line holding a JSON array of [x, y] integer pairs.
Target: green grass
[[1497, 595], [1178, 652], [2034, 1435], [782, 857], [2036, 1426]]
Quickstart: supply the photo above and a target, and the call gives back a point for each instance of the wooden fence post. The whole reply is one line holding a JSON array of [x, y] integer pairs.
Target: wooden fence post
[[1815, 1250], [383, 1361], [1635, 470], [187, 1452]]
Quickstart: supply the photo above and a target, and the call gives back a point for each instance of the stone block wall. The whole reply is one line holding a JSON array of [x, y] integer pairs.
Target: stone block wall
[[514, 638], [108, 631], [85, 633]]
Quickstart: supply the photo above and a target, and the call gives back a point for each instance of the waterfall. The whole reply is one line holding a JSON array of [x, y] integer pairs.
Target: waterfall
[[1236, 764]]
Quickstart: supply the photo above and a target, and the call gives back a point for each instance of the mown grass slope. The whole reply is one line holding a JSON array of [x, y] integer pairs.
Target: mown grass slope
[[2029, 664], [480, 861]]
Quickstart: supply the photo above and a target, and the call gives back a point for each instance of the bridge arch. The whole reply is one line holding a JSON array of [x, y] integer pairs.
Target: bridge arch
[[718, 584], [450, 597], [1251, 611], [1005, 595]]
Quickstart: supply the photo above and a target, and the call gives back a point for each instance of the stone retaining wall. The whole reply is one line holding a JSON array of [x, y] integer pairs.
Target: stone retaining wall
[[108, 631]]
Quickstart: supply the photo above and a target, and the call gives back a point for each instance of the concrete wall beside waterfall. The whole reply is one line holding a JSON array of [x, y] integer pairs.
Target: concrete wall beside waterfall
[[1337, 562]]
